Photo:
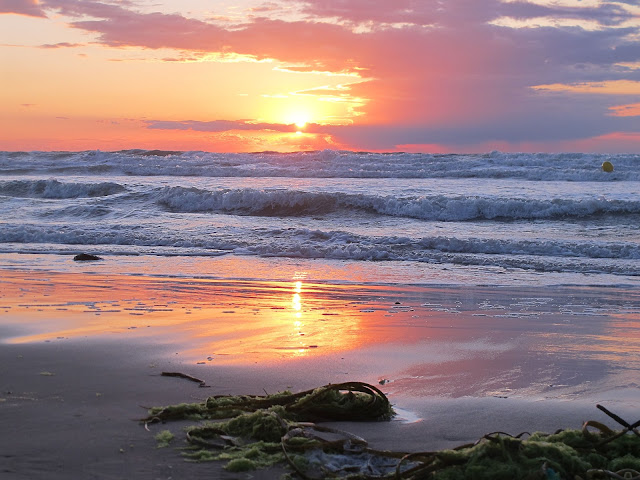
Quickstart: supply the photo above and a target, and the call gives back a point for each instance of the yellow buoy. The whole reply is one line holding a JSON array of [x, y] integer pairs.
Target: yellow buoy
[[607, 167]]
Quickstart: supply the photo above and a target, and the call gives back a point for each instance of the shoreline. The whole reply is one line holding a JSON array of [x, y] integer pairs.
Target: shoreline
[[171, 263], [456, 362]]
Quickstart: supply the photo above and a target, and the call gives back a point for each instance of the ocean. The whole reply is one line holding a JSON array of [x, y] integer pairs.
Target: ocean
[[418, 219]]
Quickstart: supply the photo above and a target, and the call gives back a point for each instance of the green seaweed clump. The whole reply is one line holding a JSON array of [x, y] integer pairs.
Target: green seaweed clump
[[505, 459], [164, 438], [630, 462], [181, 411], [250, 435], [354, 401], [241, 465], [569, 454], [252, 456], [255, 432], [266, 425]]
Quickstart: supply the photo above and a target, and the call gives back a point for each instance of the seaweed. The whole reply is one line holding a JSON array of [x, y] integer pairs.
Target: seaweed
[[254, 432], [250, 431], [354, 401], [565, 454], [164, 438]]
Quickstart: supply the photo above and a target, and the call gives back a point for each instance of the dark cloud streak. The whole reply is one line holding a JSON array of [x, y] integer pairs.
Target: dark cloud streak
[[219, 126]]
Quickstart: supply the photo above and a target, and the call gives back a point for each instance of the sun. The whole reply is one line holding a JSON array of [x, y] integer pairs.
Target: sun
[[299, 119]]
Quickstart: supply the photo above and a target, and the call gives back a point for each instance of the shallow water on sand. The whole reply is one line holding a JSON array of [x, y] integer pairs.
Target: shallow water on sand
[[417, 341]]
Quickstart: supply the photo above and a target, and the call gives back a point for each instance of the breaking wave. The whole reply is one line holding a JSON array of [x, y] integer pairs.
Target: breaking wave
[[55, 189], [434, 207]]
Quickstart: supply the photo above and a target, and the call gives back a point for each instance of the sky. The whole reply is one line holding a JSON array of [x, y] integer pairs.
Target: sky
[[287, 75]]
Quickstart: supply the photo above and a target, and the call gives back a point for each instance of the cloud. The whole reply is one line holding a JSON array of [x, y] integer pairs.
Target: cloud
[[246, 135], [430, 72], [400, 11], [630, 110], [60, 45], [618, 87], [30, 8], [457, 12], [219, 126], [551, 122], [156, 30], [606, 13], [92, 8], [266, 7]]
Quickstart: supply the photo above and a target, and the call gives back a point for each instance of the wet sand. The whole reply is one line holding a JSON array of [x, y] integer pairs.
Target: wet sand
[[80, 354]]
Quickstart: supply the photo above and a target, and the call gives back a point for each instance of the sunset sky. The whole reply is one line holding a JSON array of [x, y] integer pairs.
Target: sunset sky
[[379, 75]]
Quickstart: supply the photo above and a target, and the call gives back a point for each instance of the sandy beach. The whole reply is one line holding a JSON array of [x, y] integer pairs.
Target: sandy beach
[[81, 354]]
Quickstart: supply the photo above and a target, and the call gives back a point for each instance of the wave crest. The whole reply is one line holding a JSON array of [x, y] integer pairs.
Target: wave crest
[[55, 189], [247, 201], [434, 207]]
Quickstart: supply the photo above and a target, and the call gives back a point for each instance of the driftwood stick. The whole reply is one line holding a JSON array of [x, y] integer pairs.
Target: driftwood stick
[[185, 376], [621, 421]]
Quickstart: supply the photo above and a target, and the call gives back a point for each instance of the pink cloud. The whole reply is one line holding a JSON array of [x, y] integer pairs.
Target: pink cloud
[[156, 30], [22, 7], [455, 12], [446, 76], [266, 7], [451, 12], [262, 38], [424, 67], [405, 62]]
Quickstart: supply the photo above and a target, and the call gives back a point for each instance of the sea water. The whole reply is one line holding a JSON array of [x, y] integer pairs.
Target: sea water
[[485, 219]]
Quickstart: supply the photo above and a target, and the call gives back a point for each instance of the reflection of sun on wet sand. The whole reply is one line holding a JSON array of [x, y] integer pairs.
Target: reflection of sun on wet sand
[[460, 362], [284, 323], [229, 320], [449, 342]]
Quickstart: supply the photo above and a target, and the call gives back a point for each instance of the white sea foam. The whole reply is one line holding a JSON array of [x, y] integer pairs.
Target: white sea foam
[[326, 164], [503, 212]]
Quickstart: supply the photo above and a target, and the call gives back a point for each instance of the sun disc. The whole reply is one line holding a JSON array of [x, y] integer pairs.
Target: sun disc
[[299, 119]]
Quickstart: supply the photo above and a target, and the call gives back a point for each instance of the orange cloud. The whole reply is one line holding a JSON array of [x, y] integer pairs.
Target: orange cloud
[[612, 87], [631, 110]]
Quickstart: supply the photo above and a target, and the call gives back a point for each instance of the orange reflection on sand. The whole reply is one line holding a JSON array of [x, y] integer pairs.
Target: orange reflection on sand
[[291, 324], [424, 341], [616, 339], [231, 321]]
